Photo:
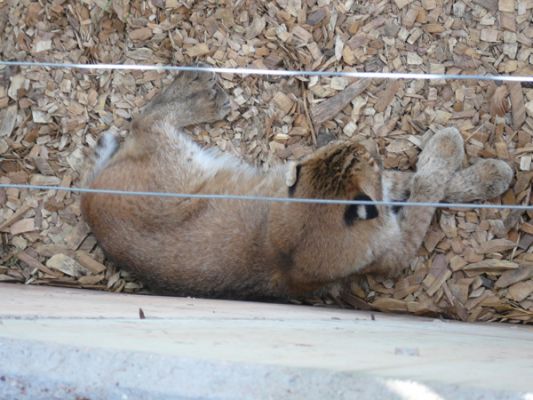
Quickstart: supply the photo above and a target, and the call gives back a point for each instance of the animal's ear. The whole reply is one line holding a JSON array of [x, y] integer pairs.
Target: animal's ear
[[357, 212], [293, 174], [372, 148]]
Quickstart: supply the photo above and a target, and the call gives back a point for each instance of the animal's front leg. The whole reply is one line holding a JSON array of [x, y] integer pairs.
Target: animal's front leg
[[439, 160], [397, 186]]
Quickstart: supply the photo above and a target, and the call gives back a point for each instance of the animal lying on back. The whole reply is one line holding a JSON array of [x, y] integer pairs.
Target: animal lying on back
[[259, 250]]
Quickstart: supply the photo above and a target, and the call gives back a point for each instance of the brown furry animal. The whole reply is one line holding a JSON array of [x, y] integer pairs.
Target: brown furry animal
[[249, 249]]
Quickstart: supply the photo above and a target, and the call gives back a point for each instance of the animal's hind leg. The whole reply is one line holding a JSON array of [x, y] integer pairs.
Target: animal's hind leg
[[437, 180], [484, 180], [192, 98]]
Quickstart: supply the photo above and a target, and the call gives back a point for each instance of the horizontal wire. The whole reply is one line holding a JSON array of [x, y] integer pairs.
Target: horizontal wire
[[276, 72], [267, 198]]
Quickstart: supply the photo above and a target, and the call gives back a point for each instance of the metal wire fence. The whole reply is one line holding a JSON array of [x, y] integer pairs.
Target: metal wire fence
[[272, 72]]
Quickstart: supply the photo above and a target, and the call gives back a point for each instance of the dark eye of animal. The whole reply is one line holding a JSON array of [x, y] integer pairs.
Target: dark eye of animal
[[355, 212]]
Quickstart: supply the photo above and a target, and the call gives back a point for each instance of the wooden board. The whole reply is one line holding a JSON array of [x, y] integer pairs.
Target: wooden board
[[491, 356]]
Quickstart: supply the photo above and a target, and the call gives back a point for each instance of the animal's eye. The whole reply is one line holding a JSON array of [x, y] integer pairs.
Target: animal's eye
[[292, 188], [355, 212]]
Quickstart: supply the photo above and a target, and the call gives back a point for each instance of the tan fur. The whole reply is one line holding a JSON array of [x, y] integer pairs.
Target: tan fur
[[251, 249]]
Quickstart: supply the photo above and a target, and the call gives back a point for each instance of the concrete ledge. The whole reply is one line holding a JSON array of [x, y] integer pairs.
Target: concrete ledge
[[59, 343]]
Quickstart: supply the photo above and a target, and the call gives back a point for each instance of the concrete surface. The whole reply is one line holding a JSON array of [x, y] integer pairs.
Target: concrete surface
[[58, 343]]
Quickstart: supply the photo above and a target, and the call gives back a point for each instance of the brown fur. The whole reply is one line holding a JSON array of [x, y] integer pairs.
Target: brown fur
[[250, 249]]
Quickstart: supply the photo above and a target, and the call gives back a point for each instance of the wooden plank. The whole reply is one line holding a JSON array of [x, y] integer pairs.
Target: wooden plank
[[375, 345], [22, 301]]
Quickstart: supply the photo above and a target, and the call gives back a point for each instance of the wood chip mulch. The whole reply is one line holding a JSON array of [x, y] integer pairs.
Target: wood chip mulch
[[475, 265]]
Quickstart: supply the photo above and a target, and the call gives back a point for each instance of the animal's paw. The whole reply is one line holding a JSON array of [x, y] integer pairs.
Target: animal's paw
[[202, 92], [443, 154], [213, 103], [188, 83], [484, 180], [192, 81], [197, 95]]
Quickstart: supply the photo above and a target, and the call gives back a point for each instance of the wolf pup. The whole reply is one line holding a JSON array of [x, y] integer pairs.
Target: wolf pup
[[263, 250]]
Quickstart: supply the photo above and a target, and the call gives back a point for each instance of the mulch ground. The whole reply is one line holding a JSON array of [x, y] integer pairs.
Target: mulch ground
[[475, 265]]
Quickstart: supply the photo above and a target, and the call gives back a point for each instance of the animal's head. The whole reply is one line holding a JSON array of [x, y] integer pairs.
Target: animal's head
[[345, 171], [340, 236]]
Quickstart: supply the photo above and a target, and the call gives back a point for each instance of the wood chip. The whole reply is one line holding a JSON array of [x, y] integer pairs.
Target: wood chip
[[517, 104], [8, 118], [490, 35], [496, 246], [402, 3], [525, 163], [388, 304], [499, 103], [36, 264], [15, 217], [141, 34], [491, 5], [18, 83], [89, 263], [283, 102], [386, 97], [519, 291], [23, 226], [331, 107], [77, 235], [438, 274], [67, 265], [517, 275], [457, 263], [491, 265], [42, 180], [200, 49], [529, 108], [89, 280], [506, 5]]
